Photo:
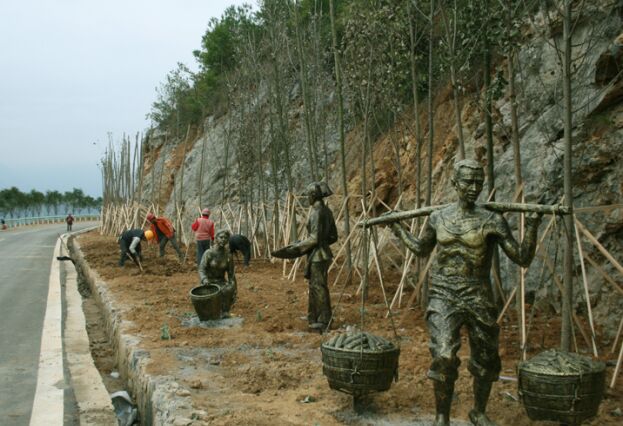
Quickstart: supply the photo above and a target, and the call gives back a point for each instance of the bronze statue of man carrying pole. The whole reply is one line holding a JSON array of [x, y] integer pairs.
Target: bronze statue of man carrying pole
[[465, 234]]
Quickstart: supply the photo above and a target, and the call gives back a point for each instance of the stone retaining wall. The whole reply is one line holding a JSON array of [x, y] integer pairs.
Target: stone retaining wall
[[160, 400]]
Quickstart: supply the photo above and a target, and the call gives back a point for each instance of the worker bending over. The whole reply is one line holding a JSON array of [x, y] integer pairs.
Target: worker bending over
[[164, 232]]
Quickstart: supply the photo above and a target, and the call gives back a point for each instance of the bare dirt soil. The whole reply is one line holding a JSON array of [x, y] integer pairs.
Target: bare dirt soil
[[263, 367]]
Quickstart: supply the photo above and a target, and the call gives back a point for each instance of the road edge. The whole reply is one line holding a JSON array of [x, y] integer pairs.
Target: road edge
[[48, 403], [94, 403]]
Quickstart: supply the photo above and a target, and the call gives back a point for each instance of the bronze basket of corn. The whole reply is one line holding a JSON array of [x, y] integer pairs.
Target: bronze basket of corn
[[561, 386], [359, 363]]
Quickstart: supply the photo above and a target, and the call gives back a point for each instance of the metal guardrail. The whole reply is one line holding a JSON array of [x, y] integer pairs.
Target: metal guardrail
[[42, 220]]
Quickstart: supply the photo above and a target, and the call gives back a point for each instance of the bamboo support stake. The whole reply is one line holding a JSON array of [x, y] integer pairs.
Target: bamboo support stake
[[507, 305], [498, 283], [559, 284], [232, 215], [592, 209], [224, 218], [514, 291], [378, 268], [356, 258], [374, 259], [278, 221], [419, 284], [239, 225], [342, 208], [603, 273], [410, 258], [291, 276], [617, 368], [589, 310], [357, 251], [616, 339], [600, 247], [344, 243], [256, 243], [285, 221], [266, 228]]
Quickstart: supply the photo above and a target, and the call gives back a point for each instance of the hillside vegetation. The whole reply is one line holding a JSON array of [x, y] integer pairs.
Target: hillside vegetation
[[380, 98]]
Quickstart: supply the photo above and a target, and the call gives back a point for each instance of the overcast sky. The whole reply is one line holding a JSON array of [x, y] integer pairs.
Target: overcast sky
[[73, 70]]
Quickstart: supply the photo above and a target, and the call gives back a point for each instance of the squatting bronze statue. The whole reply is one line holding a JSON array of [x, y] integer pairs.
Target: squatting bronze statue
[[460, 294], [217, 262], [321, 233]]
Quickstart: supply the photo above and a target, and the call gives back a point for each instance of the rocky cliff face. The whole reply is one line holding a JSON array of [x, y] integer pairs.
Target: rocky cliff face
[[597, 144]]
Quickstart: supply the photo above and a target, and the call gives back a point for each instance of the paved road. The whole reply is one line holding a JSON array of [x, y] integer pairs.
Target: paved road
[[25, 259]]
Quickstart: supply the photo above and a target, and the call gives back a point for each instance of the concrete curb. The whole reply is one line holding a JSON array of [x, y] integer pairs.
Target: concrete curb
[[94, 404], [157, 397]]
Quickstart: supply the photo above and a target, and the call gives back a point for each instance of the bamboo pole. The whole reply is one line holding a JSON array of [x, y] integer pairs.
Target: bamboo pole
[[224, 218], [374, 259], [617, 368], [410, 257], [493, 206], [559, 284], [603, 273], [419, 284], [507, 305], [239, 225], [599, 246], [344, 243], [589, 310], [616, 338], [354, 268], [592, 209], [514, 291]]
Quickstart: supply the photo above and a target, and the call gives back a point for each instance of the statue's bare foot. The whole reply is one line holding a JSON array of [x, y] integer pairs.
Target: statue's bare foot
[[441, 420], [480, 419]]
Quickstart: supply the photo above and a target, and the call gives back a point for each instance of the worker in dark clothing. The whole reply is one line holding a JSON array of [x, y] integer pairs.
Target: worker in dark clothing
[[130, 244], [240, 243], [70, 221]]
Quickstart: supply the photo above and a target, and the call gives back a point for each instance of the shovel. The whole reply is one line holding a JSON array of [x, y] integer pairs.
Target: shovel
[[136, 260]]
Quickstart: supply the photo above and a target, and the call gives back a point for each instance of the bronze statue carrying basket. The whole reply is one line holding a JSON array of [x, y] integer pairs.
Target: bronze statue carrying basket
[[561, 386], [359, 363]]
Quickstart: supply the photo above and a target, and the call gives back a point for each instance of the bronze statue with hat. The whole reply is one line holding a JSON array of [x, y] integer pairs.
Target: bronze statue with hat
[[321, 233]]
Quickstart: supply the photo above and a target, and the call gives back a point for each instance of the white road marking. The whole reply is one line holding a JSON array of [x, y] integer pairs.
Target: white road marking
[[25, 257], [47, 407]]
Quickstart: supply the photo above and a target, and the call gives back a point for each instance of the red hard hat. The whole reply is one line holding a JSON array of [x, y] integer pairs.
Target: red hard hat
[[150, 216], [205, 212]]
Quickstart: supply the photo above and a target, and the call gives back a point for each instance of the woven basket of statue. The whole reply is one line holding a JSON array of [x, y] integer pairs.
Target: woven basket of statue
[[359, 363], [561, 386]]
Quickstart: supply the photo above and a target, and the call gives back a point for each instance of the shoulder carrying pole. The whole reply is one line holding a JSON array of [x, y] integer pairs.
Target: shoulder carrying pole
[[493, 206]]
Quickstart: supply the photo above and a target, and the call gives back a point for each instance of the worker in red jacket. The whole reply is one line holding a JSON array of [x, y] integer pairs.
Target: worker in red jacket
[[203, 227], [164, 232]]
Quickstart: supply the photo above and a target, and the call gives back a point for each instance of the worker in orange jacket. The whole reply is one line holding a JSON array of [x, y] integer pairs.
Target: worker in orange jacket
[[164, 232]]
